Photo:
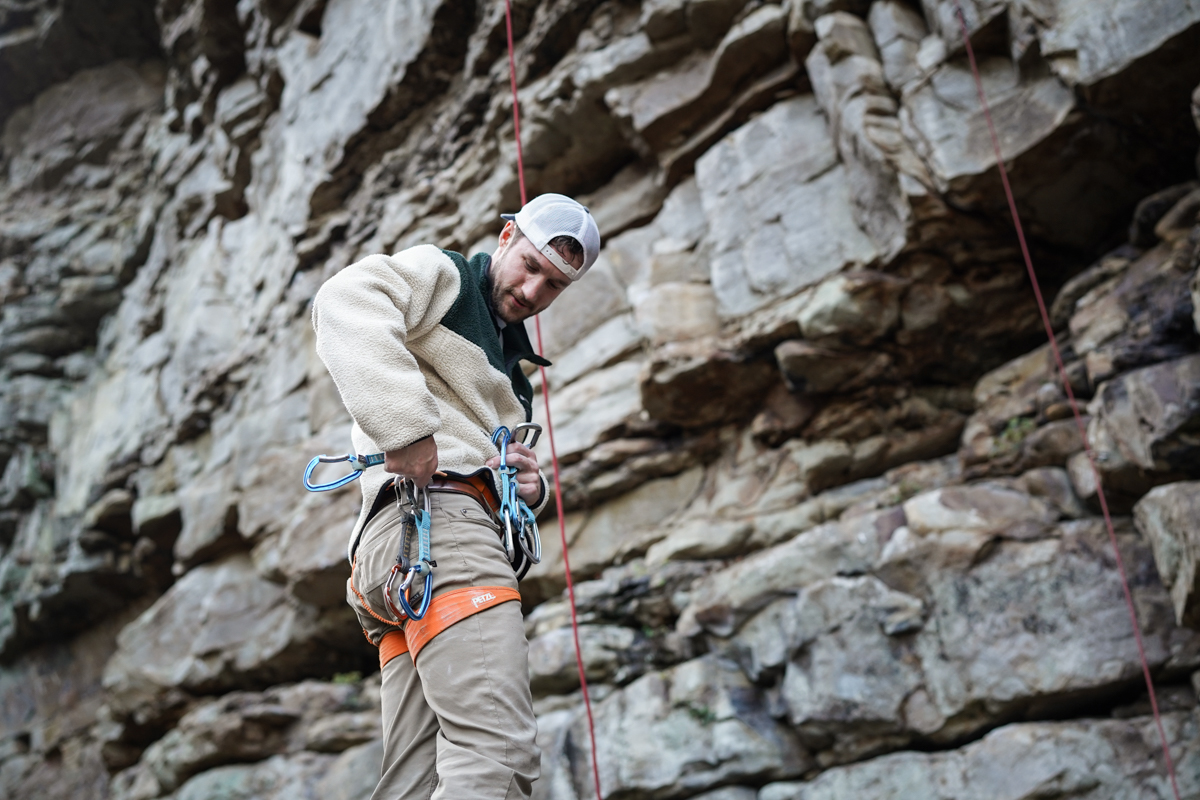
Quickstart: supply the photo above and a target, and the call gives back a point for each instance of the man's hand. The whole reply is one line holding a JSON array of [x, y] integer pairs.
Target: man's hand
[[418, 461], [529, 483]]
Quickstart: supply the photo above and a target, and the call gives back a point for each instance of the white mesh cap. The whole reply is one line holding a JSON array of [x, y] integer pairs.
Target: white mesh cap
[[548, 216]]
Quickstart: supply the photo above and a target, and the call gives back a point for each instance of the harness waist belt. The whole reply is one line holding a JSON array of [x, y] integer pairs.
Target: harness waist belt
[[473, 486]]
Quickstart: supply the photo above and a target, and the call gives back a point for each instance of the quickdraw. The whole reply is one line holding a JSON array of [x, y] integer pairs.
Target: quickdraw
[[516, 519], [357, 463], [413, 504]]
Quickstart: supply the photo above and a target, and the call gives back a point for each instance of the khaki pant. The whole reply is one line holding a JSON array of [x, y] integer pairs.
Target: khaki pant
[[458, 724]]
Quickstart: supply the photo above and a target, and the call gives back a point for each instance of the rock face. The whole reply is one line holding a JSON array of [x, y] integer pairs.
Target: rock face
[[698, 725], [835, 527], [1090, 759], [248, 634], [1167, 516]]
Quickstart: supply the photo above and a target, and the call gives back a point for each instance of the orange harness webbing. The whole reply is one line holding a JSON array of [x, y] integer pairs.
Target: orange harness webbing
[[391, 645], [444, 611]]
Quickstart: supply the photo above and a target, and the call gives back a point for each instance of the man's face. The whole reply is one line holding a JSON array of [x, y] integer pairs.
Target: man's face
[[524, 282]]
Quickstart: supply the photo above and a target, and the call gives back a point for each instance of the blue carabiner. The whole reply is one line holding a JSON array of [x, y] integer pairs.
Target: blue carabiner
[[422, 566], [423, 607], [516, 518], [501, 438], [357, 463]]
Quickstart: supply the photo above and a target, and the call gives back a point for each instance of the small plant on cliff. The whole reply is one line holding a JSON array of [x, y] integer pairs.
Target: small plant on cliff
[[703, 713], [1013, 434]]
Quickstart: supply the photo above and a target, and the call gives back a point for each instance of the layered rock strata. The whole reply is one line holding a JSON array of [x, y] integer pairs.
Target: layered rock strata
[[833, 523]]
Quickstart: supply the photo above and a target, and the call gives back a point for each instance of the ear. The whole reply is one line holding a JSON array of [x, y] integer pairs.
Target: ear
[[506, 233]]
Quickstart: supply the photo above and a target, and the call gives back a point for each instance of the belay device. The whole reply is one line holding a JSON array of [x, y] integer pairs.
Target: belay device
[[518, 526]]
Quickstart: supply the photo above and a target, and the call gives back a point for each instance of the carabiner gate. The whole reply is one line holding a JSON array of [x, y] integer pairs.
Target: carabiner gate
[[357, 463]]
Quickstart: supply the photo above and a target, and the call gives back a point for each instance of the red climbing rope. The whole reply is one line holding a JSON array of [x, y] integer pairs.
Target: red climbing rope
[[558, 502], [1062, 371]]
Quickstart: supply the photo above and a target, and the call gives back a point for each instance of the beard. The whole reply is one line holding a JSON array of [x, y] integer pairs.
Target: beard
[[508, 306]]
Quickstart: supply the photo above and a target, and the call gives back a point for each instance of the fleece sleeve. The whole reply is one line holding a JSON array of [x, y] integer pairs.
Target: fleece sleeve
[[544, 498], [364, 318]]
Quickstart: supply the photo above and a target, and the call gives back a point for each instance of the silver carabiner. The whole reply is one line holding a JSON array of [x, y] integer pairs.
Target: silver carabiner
[[510, 550], [387, 592], [524, 428], [404, 584], [412, 496], [532, 550]]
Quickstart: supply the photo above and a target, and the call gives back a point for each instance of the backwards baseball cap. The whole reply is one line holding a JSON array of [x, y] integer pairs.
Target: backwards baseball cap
[[549, 216]]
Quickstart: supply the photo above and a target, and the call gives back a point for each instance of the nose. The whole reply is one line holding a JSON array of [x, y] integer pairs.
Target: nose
[[535, 287]]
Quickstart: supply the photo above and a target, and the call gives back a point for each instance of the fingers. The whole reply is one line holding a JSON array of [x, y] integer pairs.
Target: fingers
[[418, 461], [525, 466], [517, 447], [519, 456], [529, 484], [521, 463], [530, 492], [422, 474]]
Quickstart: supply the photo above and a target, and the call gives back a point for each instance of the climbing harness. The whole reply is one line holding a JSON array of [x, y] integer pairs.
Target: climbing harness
[[1066, 383], [518, 524], [413, 504], [357, 463], [522, 542]]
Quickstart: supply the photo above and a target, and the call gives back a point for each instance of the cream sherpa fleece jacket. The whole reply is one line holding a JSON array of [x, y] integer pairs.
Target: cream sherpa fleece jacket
[[410, 342]]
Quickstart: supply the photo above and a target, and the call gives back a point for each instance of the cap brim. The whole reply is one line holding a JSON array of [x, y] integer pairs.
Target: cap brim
[[509, 217]]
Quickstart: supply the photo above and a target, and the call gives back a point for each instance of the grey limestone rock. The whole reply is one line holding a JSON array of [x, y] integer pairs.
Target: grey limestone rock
[[763, 197], [898, 30], [1150, 413], [1090, 758], [222, 626], [349, 776], [1169, 517], [874, 662], [696, 726], [552, 665]]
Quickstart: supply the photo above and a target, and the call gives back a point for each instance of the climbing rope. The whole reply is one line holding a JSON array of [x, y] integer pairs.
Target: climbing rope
[[558, 503], [1062, 371]]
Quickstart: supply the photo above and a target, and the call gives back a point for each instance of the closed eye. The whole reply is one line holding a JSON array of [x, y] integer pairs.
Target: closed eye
[[535, 268]]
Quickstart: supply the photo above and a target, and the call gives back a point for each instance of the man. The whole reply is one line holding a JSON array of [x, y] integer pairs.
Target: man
[[425, 348]]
